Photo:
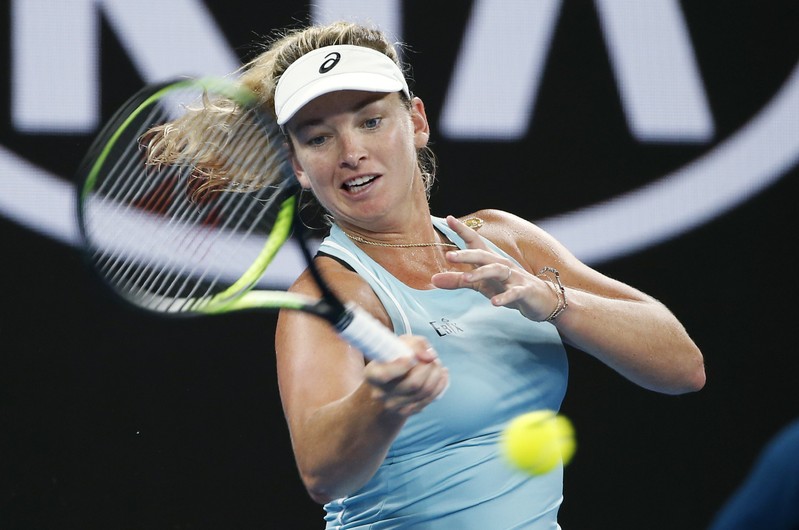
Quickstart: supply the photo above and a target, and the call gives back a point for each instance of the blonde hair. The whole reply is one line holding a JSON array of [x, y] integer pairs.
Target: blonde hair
[[261, 75]]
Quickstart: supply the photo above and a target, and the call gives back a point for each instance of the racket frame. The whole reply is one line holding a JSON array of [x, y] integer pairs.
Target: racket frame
[[354, 324]]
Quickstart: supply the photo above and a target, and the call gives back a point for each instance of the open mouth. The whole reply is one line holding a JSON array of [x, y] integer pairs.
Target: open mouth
[[359, 183]]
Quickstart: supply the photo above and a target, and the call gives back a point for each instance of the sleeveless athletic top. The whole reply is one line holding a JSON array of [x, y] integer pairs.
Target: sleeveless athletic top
[[445, 470]]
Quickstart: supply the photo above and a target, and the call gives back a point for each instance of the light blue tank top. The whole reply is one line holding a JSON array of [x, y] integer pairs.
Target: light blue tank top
[[444, 470]]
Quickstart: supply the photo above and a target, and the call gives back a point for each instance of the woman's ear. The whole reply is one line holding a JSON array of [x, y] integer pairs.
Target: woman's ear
[[299, 172], [421, 127]]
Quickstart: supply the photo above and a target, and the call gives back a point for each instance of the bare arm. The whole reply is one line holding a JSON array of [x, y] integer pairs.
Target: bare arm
[[624, 328], [343, 415]]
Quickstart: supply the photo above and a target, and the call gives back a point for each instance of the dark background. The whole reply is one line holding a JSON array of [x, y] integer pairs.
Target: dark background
[[112, 419]]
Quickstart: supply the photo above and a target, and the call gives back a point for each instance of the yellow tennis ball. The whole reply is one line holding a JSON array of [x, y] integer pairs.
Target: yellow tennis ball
[[538, 441]]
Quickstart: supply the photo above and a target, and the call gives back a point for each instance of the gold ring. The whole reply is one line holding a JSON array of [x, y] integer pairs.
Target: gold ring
[[509, 273]]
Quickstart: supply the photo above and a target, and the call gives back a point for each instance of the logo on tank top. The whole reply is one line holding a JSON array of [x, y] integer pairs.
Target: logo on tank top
[[444, 326]]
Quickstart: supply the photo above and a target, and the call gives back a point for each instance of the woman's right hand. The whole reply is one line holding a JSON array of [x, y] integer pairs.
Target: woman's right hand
[[407, 385]]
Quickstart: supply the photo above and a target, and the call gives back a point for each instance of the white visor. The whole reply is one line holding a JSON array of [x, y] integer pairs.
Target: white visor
[[332, 68]]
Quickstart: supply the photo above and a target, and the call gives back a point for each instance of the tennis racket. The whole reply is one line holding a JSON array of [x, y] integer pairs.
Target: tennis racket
[[185, 198]]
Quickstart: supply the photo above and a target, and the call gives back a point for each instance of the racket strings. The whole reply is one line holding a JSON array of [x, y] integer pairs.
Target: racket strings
[[238, 222], [246, 156], [187, 213], [194, 239], [115, 189], [136, 193]]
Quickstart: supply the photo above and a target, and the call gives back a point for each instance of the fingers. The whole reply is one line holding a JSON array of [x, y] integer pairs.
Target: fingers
[[476, 253], [406, 386], [486, 266], [469, 236], [496, 277], [499, 271]]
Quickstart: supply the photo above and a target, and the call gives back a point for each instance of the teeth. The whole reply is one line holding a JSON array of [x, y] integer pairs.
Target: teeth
[[360, 181]]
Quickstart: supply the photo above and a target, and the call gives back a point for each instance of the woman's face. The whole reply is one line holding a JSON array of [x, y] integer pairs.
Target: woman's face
[[357, 152]]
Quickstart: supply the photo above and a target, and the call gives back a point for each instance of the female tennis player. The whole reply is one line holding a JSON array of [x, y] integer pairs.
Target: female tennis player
[[486, 302]]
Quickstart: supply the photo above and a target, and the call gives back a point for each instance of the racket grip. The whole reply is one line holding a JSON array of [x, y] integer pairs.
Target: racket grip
[[370, 336]]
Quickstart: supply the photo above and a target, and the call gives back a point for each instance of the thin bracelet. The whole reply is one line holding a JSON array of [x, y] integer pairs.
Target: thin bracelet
[[560, 292]]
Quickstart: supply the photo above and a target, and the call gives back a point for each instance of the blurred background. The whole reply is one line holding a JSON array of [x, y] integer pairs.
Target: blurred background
[[658, 139]]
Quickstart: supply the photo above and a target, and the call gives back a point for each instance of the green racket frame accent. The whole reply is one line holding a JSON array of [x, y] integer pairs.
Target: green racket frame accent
[[237, 296], [240, 294]]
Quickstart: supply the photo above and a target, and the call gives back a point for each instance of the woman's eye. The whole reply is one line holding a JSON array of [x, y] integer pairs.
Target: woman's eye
[[316, 141], [372, 123]]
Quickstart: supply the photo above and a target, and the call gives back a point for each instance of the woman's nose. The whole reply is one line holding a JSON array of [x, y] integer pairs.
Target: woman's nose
[[352, 151]]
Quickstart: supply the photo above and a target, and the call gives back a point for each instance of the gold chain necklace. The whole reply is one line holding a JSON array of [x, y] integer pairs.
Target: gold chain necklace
[[359, 239], [472, 222]]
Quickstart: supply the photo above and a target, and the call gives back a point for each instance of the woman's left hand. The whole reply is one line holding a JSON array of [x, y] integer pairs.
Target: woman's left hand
[[496, 277]]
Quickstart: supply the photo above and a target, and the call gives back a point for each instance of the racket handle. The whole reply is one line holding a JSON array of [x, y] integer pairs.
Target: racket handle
[[370, 336]]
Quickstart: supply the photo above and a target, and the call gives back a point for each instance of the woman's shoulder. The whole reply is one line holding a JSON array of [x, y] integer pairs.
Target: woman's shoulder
[[344, 281], [500, 226], [522, 239], [494, 219]]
